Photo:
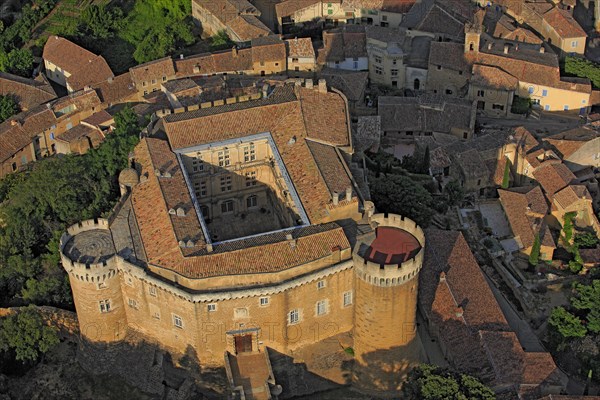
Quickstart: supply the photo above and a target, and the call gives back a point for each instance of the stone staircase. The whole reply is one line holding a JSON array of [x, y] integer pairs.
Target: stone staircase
[[535, 114], [250, 376]]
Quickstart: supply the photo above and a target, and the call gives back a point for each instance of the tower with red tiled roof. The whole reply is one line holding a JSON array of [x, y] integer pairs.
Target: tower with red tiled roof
[[386, 275]]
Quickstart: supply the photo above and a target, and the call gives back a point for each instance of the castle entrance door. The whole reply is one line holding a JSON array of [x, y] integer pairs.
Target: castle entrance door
[[243, 344]]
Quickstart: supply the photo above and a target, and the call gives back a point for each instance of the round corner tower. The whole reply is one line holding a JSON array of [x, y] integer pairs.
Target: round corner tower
[[386, 264], [88, 255]]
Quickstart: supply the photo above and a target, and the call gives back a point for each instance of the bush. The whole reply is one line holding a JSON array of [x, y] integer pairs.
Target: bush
[[506, 176], [583, 68], [534, 256], [8, 107], [520, 105]]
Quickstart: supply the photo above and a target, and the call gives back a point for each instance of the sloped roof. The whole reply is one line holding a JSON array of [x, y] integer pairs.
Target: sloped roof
[[85, 67], [152, 70], [300, 47], [18, 131], [568, 142], [352, 83], [27, 92], [553, 177], [248, 27], [572, 194], [493, 77], [564, 24], [116, 90], [342, 43]]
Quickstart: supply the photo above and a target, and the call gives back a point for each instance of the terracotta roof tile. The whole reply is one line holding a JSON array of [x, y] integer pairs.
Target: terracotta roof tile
[[568, 142], [300, 47], [342, 43], [27, 92], [116, 90], [269, 49], [157, 69], [564, 24], [352, 83], [493, 77], [332, 170], [85, 67], [289, 7], [248, 27], [18, 131], [572, 194], [76, 133], [553, 177]]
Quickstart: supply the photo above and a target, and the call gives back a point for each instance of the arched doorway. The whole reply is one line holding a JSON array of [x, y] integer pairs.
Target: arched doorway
[[417, 84]]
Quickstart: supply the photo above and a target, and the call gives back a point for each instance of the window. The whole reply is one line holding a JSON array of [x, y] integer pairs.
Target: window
[[294, 317], [478, 182], [226, 185], [200, 188], [394, 62], [152, 291], [154, 81], [294, 59], [497, 107], [566, 108], [224, 158], [347, 299], [69, 125], [378, 71], [249, 153], [480, 93], [544, 93], [197, 163], [129, 281], [394, 72], [212, 307], [14, 166], [321, 307], [531, 89], [460, 72], [465, 135], [321, 284], [164, 78], [547, 107], [262, 63], [384, 17], [132, 303], [297, 69], [177, 321], [240, 313], [449, 91], [329, 12], [145, 92], [378, 59], [409, 133], [251, 178], [156, 315], [101, 285], [144, 84], [104, 306], [264, 301], [227, 206], [574, 43], [52, 135], [251, 201], [355, 65], [439, 67]]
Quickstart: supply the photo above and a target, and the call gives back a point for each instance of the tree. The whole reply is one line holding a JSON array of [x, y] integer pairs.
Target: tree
[[401, 195], [587, 299], [18, 62], [583, 68], [534, 256], [8, 107], [100, 21], [568, 226], [586, 240], [426, 164], [429, 382], [566, 324], [220, 41], [26, 334], [506, 176], [455, 192]]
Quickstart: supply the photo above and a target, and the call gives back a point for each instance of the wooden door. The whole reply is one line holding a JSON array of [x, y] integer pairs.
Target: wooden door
[[243, 344]]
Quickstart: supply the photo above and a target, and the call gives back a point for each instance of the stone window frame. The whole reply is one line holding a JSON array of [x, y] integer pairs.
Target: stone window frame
[[211, 307], [347, 298], [104, 306], [101, 286], [322, 307], [264, 301], [132, 303], [177, 321], [294, 316], [152, 291], [322, 284]]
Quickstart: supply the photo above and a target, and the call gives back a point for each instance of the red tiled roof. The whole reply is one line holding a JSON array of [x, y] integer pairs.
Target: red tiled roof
[[27, 92], [85, 67], [572, 194], [300, 47], [564, 24], [18, 131], [116, 90], [553, 177], [247, 27], [493, 77], [157, 69]]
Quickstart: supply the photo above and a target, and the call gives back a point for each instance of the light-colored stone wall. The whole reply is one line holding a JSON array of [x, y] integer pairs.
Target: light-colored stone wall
[[586, 155], [446, 81], [495, 102], [554, 99], [56, 74]]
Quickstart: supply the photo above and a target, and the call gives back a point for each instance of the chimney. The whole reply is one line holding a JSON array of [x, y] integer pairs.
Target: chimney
[[110, 79], [517, 47], [542, 49], [181, 56], [336, 198], [265, 90], [291, 240], [14, 122], [322, 86], [349, 193], [506, 48], [489, 46], [234, 51], [309, 83]]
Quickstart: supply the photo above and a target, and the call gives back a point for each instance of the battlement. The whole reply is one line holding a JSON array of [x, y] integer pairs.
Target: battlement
[[393, 255], [88, 252]]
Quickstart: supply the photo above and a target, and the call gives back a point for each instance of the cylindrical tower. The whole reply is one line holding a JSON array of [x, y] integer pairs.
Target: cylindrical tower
[[88, 256], [386, 275]]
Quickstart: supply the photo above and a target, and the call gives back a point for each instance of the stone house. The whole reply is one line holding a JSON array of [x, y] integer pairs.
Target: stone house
[[344, 48], [353, 84], [579, 148], [492, 89], [408, 117], [526, 210], [149, 77], [72, 66], [28, 93], [576, 199], [507, 28], [443, 19], [238, 18], [301, 58]]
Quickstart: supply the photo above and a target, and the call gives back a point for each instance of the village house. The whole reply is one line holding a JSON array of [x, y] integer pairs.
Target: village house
[[28, 93], [507, 28], [443, 19], [149, 77], [301, 58], [555, 23], [579, 149], [425, 115], [352, 83], [239, 19], [462, 313], [576, 199], [344, 48], [537, 72], [526, 210], [396, 59], [72, 66]]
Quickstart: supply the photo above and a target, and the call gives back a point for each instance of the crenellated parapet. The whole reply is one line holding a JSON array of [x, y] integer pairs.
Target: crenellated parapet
[[386, 274]]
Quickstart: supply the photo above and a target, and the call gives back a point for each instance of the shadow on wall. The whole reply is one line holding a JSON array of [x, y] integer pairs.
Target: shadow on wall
[[153, 370]]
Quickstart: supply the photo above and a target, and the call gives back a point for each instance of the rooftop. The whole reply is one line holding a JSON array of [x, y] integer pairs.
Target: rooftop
[[90, 247], [392, 246]]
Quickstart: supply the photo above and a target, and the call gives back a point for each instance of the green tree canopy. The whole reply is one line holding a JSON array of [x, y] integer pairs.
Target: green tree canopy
[[429, 382], [534, 256], [587, 298], [566, 324], [455, 192], [401, 195], [8, 107], [17, 61], [585, 240], [26, 334], [506, 176], [100, 21], [583, 68]]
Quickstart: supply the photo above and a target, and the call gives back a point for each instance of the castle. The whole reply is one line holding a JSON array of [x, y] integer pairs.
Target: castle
[[240, 227]]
